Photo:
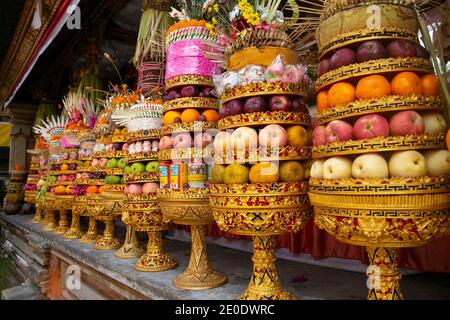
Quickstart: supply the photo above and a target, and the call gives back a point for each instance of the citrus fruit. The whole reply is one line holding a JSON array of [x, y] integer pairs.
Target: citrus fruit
[[430, 84], [374, 86], [211, 115], [189, 115], [341, 93], [169, 117], [322, 100], [406, 83]]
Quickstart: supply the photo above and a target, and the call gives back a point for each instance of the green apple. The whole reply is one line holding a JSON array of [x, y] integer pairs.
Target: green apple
[[217, 173], [112, 163], [121, 163], [112, 179], [137, 167], [128, 169], [52, 179], [235, 173], [152, 166], [122, 180]]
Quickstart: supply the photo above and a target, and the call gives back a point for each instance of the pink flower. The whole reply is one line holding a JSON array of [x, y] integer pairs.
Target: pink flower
[[277, 66], [293, 74]]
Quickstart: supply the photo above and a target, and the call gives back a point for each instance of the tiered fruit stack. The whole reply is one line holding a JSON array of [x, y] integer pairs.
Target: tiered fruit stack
[[381, 178], [15, 190], [140, 210], [259, 181], [30, 187], [42, 154], [190, 113]]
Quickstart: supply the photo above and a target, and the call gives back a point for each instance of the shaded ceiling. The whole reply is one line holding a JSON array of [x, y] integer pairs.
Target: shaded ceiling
[[9, 17]]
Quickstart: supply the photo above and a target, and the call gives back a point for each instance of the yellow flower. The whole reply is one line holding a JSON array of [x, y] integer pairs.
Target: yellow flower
[[214, 21], [216, 7], [210, 9]]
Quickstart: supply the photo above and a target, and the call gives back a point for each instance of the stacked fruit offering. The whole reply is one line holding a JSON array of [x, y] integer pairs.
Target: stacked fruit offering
[[15, 190], [190, 115], [30, 187], [382, 170]]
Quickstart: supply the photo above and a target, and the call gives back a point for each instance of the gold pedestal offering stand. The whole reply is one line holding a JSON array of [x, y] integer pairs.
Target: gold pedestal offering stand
[[31, 184], [49, 221], [42, 175], [141, 211], [383, 212]]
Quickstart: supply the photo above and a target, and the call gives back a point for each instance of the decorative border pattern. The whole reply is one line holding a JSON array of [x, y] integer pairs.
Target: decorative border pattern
[[196, 126], [267, 154], [143, 135], [191, 102], [264, 118], [141, 177], [114, 171], [188, 153], [141, 156], [380, 144], [189, 79]]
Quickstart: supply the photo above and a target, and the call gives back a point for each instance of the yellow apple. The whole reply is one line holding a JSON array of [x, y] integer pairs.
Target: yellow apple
[[297, 136], [264, 172], [217, 173], [235, 173], [291, 171]]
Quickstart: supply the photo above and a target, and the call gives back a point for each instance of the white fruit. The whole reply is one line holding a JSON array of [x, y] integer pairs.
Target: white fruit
[[434, 123], [438, 162], [407, 164], [316, 170], [370, 165], [337, 167]]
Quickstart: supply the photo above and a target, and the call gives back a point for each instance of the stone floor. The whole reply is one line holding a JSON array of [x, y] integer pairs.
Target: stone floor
[[304, 280]]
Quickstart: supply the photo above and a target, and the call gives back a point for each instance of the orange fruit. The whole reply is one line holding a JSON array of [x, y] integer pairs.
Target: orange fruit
[[447, 139], [64, 167], [406, 83], [189, 115], [211, 115], [341, 93], [92, 189], [101, 189], [374, 86], [322, 100], [169, 117], [430, 84]]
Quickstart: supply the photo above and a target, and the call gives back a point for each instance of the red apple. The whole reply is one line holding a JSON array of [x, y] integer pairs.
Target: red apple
[[406, 123], [319, 136], [279, 103], [342, 57], [165, 143], [401, 48], [370, 50], [189, 91], [202, 139], [150, 187], [324, 67], [273, 135], [235, 107], [371, 126], [134, 188], [255, 104], [182, 140], [338, 130]]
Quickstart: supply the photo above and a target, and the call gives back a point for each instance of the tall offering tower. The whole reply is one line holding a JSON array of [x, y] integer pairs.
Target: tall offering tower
[[189, 117], [259, 181], [381, 175]]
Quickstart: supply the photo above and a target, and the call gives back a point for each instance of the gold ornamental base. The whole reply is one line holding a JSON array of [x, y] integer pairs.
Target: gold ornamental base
[[75, 231], [130, 248], [50, 219], [108, 241], [63, 224], [38, 216], [199, 275], [91, 236], [155, 259], [264, 282], [383, 275]]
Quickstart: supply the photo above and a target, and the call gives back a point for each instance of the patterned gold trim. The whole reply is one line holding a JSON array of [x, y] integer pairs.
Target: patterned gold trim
[[373, 67], [60, 183], [141, 177], [264, 88], [346, 39], [143, 135], [114, 188], [188, 153], [191, 102], [383, 228], [139, 197], [84, 169], [119, 138], [388, 186], [261, 118], [196, 126], [266, 154], [386, 104], [189, 79], [57, 173], [109, 154], [84, 158], [114, 171], [141, 156], [380, 144], [186, 193]]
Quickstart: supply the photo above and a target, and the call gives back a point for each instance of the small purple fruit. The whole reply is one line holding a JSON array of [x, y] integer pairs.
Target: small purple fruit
[[235, 107], [298, 104], [401, 48], [201, 118], [324, 67], [421, 52], [185, 185], [370, 50], [189, 91], [177, 120], [279, 103], [342, 57], [255, 104]]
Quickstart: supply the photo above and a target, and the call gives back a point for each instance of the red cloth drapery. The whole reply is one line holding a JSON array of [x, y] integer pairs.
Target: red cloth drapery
[[433, 257]]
